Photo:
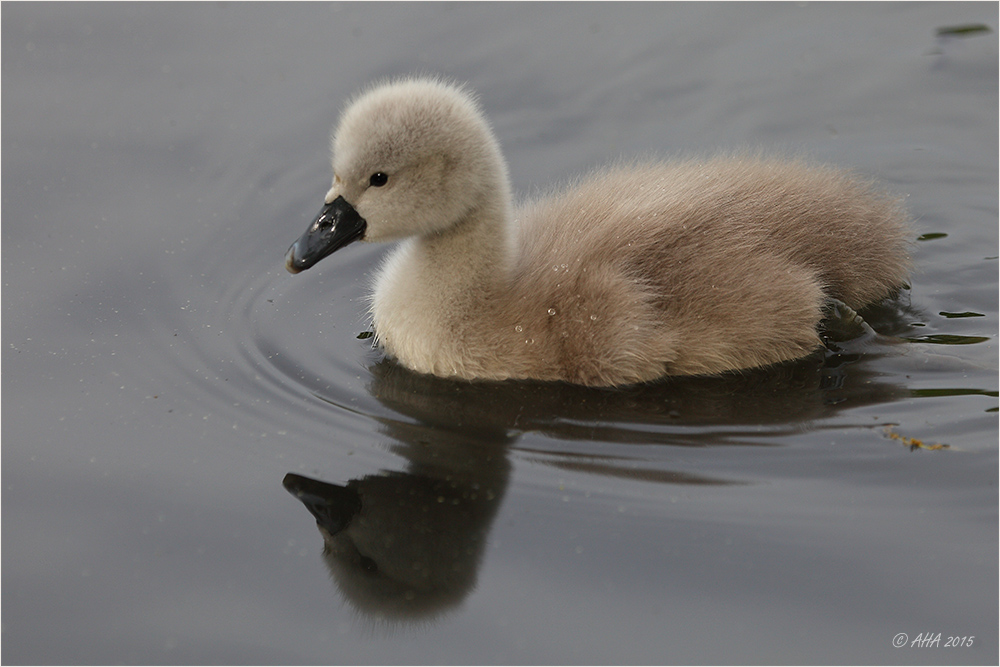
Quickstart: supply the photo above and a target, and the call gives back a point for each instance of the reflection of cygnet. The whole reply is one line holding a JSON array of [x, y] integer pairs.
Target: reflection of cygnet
[[636, 272], [400, 545]]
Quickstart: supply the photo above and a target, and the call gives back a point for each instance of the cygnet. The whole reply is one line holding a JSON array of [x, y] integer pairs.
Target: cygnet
[[636, 272]]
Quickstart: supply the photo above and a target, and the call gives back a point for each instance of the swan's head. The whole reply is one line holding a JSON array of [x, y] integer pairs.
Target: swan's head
[[410, 158]]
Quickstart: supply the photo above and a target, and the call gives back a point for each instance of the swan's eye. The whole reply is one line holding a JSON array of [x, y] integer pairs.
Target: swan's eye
[[368, 565], [378, 179]]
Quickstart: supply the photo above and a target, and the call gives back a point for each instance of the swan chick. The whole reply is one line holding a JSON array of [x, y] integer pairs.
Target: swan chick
[[636, 272]]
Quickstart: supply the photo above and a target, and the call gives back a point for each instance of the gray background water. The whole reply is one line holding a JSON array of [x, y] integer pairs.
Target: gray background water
[[162, 372]]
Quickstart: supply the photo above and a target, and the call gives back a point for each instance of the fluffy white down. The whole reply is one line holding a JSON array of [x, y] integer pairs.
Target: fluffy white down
[[633, 273]]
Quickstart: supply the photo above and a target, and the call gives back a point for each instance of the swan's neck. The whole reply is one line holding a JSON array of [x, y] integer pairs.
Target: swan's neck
[[473, 254], [432, 287]]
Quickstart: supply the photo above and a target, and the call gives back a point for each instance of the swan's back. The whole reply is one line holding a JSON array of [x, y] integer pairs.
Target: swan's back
[[707, 217], [705, 265]]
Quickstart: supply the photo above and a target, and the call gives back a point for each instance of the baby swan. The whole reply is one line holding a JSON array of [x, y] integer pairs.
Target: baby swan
[[636, 272]]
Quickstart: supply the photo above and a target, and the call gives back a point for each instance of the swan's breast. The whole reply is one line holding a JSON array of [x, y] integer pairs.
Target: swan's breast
[[407, 321]]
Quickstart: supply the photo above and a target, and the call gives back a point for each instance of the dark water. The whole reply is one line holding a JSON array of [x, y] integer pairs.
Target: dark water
[[163, 373]]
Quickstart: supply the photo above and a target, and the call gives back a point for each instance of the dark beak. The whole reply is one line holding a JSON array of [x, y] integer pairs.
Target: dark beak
[[336, 225], [333, 506]]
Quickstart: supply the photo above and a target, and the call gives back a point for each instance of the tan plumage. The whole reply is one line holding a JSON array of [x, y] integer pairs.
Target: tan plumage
[[633, 273]]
